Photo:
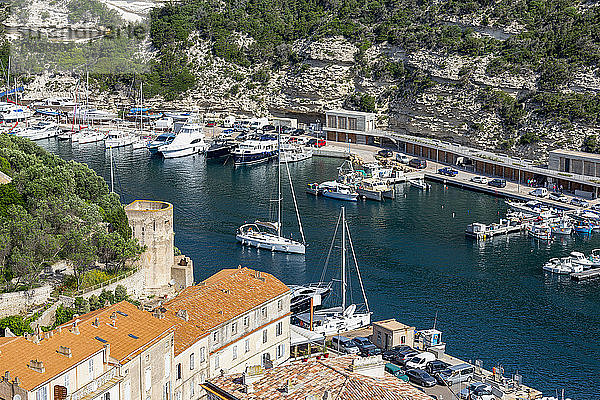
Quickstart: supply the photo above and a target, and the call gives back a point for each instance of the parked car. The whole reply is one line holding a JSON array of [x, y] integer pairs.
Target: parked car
[[448, 171], [539, 192], [558, 197], [211, 124], [268, 128], [385, 153], [434, 367], [417, 163], [402, 158], [456, 374], [420, 360], [596, 207], [228, 132], [368, 351], [576, 201], [396, 371], [477, 391], [405, 355], [497, 182], [362, 342], [344, 344], [479, 179], [420, 377], [316, 142]]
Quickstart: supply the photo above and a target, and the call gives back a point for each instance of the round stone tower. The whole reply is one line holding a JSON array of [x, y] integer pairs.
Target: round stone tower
[[152, 224]]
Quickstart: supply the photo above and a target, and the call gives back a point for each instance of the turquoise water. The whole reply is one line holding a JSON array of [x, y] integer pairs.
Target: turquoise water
[[492, 300]]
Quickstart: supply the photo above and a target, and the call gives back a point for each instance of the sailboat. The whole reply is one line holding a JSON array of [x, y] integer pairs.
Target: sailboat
[[267, 235], [331, 321]]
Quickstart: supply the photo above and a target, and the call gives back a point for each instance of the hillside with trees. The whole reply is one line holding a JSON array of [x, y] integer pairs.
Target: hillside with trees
[[57, 210]]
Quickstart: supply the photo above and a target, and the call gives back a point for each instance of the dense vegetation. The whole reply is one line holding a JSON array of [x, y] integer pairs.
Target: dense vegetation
[[56, 210]]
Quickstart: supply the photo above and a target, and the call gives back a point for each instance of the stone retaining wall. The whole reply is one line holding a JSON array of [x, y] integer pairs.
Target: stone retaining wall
[[18, 302]]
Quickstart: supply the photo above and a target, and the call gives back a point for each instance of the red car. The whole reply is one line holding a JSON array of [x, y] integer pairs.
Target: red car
[[211, 124]]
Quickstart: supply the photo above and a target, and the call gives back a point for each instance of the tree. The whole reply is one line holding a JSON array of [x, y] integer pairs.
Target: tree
[[82, 306], [120, 293], [16, 324]]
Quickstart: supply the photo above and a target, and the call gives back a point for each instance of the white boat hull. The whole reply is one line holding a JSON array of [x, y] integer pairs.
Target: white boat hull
[[110, 143], [182, 152], [340, 323], [271, 243], [83, 139], [340, 196]]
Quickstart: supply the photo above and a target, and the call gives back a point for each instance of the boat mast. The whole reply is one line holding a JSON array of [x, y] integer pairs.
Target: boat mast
[[278, 184], [112, 179], [343, 258]]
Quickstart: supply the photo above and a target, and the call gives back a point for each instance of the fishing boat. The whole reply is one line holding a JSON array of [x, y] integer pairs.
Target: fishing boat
[[579, 258], [419, 184], [293, 153], [254, 151], [338, 191], [160, 140], [39, 130], [268, 235], [562, 227], [375, 189], [344, 317], [595, 257], [584, 229], [89, 135], [540, 231], [313, 188], [118, 138], [189, 140], [303, 294], [563, 266]]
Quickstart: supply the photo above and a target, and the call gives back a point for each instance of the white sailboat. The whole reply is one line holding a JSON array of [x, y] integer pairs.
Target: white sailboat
[[346, 317], [267, 235]]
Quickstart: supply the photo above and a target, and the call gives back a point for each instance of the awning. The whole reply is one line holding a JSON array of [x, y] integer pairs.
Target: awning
[[300, 336]]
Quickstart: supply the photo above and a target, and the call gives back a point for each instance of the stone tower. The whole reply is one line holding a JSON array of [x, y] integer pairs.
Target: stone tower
[[152, 225]]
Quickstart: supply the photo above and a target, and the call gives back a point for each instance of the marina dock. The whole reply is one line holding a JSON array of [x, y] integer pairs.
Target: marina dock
[[593, 273]]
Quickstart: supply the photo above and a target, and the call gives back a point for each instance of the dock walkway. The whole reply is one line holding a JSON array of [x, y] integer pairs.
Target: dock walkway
[[593, 273]]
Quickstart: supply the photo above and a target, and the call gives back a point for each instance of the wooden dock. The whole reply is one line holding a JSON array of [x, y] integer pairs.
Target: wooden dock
[[593, 273]]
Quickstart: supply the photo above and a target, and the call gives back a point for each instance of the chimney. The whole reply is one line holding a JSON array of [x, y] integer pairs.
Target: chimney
[[7, 376], [107, 351], [75, 328], [113, 323], [37, 366], [113, 315], [17, 381], [183, 314], [96, 322], [65, 351]]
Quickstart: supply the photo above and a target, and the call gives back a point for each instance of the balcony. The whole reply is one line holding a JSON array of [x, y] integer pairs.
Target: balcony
[[98, 385]]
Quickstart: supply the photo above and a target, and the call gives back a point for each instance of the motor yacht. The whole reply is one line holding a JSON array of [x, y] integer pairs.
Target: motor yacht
[[160, 140], [189, 140], [254, 151], [562, 266], [39, 130], [338, 191]]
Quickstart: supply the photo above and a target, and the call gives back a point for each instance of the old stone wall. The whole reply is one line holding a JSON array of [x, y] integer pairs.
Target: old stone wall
[[18, 302]]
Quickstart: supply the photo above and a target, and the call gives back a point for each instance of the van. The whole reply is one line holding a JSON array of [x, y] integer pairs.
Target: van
[[416, 163], [539, 192], [456, 374], [396, 371], [344, 344], [420, 360], [402, 158]]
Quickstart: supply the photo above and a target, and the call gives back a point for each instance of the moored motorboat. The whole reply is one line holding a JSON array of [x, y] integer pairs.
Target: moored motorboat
[[220, 148], [254, 151], [374, 189], [160, 140], [39, 130], [293, 153], [90, 135], [313, 188], [189, 140], [563, 266], [303, 294], [584, 229], [540, 231], [563, 227], [338, 191], [118, 138]]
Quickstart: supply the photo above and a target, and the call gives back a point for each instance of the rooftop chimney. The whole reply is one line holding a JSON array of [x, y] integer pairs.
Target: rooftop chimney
[[17, 381], [65, 351], [37, 366], [75, 328], [7, 376], [183, 314], [113, 323], [96, 322]]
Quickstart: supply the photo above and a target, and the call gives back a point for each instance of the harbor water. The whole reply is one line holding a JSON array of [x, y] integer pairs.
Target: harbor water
[[492, 300]]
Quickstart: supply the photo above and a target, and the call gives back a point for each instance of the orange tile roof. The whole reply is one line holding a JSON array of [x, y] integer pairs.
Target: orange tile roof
[[315, 377], [186, 333], [226, 295], [15, 353]]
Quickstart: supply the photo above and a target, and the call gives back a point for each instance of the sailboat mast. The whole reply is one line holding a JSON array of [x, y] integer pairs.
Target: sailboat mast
[[343, 258], [279, 183], [112, 179]]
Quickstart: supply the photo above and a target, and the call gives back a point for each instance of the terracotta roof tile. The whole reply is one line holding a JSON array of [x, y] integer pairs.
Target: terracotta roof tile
[[226, 295], [315, 377]]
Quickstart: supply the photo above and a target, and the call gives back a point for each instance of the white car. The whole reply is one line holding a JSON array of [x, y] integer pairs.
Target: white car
[[402, 158], [477, 391], [539, 192], [479, 179], [558, 197]]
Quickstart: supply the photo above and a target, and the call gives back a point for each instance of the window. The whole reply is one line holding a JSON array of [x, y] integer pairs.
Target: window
[[342, 122], [246, 321], [202, 354], [379, 338], [91, 368], [192, 362], [280, 352], [167, 391], [234, 350], [148, 379], [402, 339], [67, 382], [247, 346], [192, 387], [107, 396], [265, 336], [201, 378], [167, 365], [264, 312], [178, 395], [331, 121], [42, 393], [280, 304], [216, 337], [216, 362], [278, 328], [352, 123], [233, 328], [178, 372]]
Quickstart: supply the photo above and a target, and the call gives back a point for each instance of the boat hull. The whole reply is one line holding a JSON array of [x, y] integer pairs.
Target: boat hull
[[370, 194], [176, 153], [340, 196], [270, 243], [253, 158]]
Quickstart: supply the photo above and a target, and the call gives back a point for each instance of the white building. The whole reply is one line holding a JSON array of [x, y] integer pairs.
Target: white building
[[350, 126]]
